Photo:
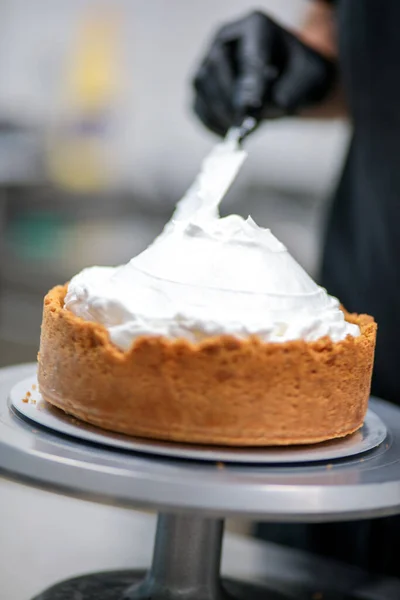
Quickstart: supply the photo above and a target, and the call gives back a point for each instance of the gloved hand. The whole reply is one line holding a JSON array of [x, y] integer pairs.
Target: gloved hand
[[255, 67]]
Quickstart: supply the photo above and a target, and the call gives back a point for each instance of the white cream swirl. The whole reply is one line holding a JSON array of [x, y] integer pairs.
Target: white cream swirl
[[206, 276]]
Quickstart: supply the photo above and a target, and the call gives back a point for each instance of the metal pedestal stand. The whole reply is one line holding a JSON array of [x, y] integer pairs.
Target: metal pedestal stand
[[193, 498], [179, 569]]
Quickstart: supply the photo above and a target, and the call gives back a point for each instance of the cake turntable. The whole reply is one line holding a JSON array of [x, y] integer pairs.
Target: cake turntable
[[194, 494]]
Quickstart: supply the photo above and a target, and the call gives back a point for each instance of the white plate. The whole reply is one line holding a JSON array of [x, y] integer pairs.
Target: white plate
[[27, 401]]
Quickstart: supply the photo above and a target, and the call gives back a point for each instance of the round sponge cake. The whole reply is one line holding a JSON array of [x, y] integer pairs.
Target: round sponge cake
[[221, 391]]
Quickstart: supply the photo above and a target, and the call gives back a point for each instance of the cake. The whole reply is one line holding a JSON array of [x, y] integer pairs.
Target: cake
[[213, 335]]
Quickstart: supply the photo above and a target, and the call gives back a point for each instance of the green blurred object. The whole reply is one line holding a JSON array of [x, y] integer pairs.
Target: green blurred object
[[36, 236]]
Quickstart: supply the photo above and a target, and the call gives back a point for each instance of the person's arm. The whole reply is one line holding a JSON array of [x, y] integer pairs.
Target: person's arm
[[319, 31], [319, 28]]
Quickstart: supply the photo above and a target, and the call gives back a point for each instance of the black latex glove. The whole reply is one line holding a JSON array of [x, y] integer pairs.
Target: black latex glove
[[256, 67]]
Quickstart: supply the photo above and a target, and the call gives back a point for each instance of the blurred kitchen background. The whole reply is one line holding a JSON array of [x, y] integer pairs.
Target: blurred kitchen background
[[98, 142]]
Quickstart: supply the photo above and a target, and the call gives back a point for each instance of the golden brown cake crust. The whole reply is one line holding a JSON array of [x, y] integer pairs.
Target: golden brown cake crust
[[218, 391]]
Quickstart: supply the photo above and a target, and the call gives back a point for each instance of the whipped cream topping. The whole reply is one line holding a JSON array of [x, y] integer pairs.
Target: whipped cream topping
[[206, 276]]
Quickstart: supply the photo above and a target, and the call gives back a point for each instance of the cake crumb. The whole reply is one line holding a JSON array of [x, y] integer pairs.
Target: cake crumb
[[28, 394], [34, 386], [220, 465], [25, 399], [329, 467], [362, 459]]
